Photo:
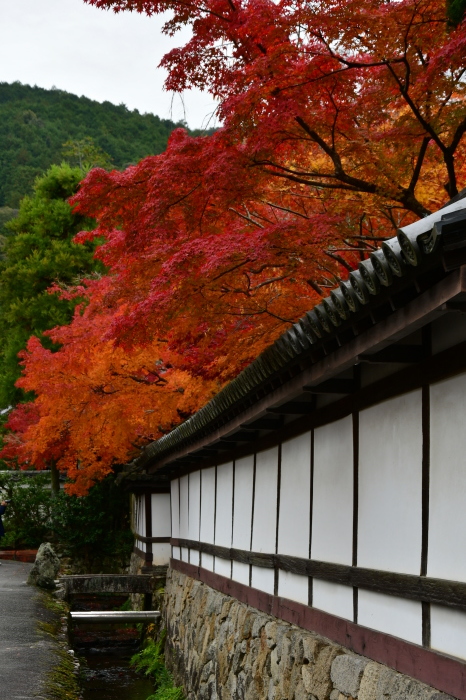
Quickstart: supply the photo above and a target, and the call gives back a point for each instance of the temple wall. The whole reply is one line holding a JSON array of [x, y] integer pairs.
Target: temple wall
[[221, 648]]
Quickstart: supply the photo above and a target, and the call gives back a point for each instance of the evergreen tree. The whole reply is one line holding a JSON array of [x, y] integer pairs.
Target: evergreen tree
[[37, 253]]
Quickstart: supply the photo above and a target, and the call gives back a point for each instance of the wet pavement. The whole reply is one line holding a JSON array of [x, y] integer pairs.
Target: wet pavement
[[25, 654]]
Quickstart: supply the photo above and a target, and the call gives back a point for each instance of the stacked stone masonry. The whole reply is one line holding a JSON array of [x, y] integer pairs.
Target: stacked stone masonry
[[221, 649]]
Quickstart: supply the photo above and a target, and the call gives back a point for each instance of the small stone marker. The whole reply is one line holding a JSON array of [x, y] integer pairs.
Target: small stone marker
[[45, 569]]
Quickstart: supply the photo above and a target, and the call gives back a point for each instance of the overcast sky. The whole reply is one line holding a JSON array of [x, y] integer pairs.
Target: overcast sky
[[75, 47]]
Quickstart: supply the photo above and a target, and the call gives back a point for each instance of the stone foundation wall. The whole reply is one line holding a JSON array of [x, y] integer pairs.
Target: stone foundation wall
[[221, 649]]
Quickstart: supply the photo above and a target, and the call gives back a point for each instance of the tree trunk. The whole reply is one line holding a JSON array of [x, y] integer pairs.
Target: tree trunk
[[54, 478]]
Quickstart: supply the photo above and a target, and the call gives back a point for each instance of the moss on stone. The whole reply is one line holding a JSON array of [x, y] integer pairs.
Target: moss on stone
[[61, 681]]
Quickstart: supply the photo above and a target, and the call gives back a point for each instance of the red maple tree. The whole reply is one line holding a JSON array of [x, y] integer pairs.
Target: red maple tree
[[341, 121]]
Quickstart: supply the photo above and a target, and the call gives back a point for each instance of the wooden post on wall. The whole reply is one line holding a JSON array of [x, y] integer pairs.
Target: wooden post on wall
[[427, 344], [148, 557]]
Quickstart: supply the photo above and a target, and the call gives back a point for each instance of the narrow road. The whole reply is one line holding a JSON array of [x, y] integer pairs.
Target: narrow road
[[25, 654]]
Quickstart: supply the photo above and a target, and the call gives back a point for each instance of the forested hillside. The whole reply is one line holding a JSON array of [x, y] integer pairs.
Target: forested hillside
[[35, 123]]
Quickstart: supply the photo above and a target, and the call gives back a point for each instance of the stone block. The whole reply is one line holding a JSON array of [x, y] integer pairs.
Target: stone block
[[258, 624], [46, 567], [346, 673], [369, 681]]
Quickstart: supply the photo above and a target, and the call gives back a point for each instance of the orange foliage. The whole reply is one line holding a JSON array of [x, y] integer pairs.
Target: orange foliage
[[96, 405], [342, 120]]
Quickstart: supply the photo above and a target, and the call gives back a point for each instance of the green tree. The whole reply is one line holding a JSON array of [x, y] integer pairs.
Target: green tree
[[37, 253], [84, 154], [94, 530], [27, 519]]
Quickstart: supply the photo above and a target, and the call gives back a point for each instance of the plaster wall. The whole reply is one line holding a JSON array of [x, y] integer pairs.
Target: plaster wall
[[242, 520], [244, 487], [390, 485], [184, 506], [448, 630], [161, 515], [141, 516], [263, 579], [194, 514], [396, 616], [333, 598], [161, 553], [265, 501], [137, 520], [207, 529], [295, 496], [332, 537], [293, 586], [447, 512], [224, 506], [175, 513]]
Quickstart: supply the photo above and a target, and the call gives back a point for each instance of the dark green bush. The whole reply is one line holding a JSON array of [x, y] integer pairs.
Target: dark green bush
[[94, 529], [28, 516]]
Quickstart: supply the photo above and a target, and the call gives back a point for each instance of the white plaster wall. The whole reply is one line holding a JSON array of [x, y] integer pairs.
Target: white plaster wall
[[447, 512], [207, 561], [184, 507], [141, 516], [185, 554], [241, 572], [396, 616], [176, 552], [333, 598], [223, 567], [194, 557], [194, 506], [293, 587], [207, 514], [242, 517], [448, 630], [390, 485], [265, 501], [175, 508], [332, 524], [294, 518], [244, 477], [161, 516], [224, 508], [194, 514], [263, 579], [160, 553]]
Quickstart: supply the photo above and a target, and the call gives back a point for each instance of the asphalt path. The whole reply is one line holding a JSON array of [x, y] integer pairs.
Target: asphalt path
[[25, 654]]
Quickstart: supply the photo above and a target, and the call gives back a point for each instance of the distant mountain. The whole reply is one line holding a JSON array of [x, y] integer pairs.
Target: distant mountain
[[35, 123]]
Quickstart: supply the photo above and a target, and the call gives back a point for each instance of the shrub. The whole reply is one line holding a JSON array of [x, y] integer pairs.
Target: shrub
[[28, 516], [94, 529], [151, 661]]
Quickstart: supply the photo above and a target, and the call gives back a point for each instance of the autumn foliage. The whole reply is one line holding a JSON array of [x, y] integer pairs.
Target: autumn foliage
[[341, 121]]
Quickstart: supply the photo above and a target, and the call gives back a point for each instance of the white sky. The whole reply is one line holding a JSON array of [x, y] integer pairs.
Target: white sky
[[86, 51]]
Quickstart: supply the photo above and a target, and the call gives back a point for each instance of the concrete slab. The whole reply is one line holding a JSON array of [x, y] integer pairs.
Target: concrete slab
[[25, 654]]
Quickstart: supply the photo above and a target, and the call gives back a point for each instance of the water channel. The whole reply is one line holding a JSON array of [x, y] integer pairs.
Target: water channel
[[105, 651]]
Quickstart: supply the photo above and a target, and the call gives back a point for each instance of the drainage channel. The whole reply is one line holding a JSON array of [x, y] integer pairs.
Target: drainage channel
[[105, 649]]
